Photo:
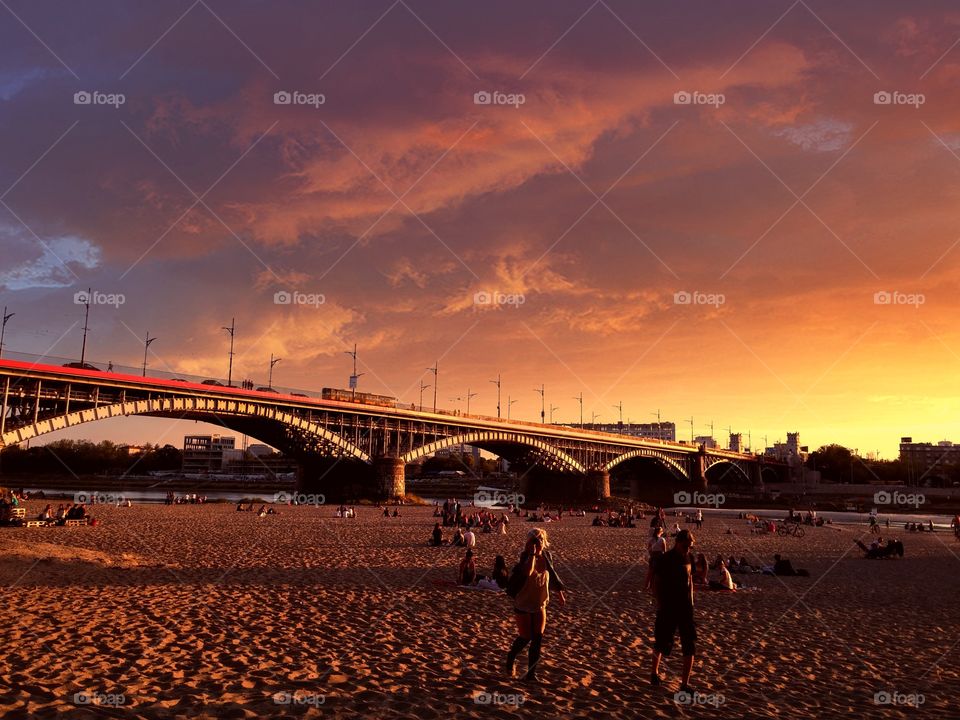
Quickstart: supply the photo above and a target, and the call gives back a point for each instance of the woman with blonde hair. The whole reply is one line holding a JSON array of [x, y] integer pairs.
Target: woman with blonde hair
[[530, 583]]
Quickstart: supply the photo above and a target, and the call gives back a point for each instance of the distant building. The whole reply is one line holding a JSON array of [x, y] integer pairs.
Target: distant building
[[790, 452], [462, 450], [736, 442], [707, 441], [928, 461], [205, 453], [260, 450]]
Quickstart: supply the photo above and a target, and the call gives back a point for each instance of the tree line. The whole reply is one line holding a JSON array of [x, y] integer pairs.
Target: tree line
[[83, 457]]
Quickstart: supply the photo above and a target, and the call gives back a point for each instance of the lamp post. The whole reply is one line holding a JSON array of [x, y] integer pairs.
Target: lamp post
[[579, 399], [659, 430], [3, 329], [552, 408], [355, 376], [231, 330], [509, 405], [469, 395], [436, 381], [497, 383], [543, 407], [423, 386], [146, 346], [86, 319], [619, 406], [594, 416], [273, 361]]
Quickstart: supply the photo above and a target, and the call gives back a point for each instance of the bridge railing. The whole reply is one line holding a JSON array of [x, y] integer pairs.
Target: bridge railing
[[110, 367]]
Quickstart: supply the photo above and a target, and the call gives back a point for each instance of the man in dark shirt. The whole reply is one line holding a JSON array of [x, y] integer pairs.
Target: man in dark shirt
[[673, 589]]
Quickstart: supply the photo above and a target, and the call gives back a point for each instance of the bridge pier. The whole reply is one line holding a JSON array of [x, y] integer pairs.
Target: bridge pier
[[390, 479], [698, 471], [599, 482]]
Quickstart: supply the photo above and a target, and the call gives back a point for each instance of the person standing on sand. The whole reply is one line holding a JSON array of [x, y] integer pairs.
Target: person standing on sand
[[529, 585], [673, 589]]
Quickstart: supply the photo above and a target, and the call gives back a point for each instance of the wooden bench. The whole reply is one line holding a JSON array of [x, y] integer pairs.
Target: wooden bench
[[35, 523], [74, 522], [18, 513]]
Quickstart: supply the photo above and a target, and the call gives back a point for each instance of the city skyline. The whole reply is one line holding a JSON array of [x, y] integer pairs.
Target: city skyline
[[693, 212]]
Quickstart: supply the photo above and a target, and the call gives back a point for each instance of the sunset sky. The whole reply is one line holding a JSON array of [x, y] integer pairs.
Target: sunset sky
[[785, 196]]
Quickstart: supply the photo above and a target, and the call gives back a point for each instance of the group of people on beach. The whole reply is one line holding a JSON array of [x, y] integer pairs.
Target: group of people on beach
[[70, 511], [185, 499]]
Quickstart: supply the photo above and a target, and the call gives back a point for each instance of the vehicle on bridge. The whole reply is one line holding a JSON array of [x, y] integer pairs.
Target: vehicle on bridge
[[358, 397]]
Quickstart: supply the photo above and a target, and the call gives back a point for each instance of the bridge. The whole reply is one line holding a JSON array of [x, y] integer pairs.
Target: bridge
[[320, 433]]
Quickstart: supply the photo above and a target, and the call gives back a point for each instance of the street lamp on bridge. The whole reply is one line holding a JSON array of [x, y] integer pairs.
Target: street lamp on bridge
[[273, 361], [552, 408], [355, 377], [579, 399], [543, 411], [659, 429], [231, 330], [423, 386], [509, 405], [146, 346], [86, 322], [497, 383], [436, 381], [620, 408], [3, 329]]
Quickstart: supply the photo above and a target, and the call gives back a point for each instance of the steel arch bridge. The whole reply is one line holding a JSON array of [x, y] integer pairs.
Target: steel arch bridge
[[41, 399]]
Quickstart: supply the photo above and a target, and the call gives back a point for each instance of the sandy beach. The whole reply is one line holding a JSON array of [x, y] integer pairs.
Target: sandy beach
[[200, 611]]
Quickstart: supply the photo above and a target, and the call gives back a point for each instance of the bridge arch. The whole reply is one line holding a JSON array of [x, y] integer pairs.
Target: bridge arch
[[181, 406], [668, 462], [742, 475], [495, 436]]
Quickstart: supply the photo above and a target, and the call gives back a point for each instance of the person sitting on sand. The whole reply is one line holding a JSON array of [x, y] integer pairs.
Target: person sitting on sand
[[782, 566], [700, 570], [457, 538], [396, 512], [467, 573], [719, 577], [47, 514], [469, 538], [436, 538], [262, 512], [500, 575]]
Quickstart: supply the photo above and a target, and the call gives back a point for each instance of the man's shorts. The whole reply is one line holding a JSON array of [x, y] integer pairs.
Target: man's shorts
[[668, 621]]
